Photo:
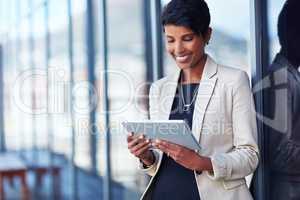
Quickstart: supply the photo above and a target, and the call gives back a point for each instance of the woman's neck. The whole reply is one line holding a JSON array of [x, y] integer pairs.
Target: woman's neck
[[193, 74]]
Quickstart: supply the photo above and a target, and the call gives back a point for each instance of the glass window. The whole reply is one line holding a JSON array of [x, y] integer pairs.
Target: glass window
[[9, 59], [23, 102], [281, 117], [127, 76], [40, 78], [58, 78], [59, 119], [80, 87]]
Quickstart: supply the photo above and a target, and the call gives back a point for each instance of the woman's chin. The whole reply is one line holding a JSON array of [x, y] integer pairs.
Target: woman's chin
[[183, 65]]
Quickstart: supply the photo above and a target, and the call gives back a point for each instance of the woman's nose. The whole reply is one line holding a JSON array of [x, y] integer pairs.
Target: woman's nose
[[179, 48]]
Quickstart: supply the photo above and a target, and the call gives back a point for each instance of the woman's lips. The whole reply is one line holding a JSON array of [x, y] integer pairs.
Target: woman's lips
[[182, 59]]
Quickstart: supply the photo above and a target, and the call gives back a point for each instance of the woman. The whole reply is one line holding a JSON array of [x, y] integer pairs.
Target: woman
[[216, 102]]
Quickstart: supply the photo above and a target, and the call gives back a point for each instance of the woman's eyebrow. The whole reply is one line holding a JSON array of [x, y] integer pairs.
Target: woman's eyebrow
[[183, 35], [188, 34]]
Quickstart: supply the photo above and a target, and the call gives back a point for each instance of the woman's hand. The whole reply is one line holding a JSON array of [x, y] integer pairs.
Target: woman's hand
[[184, 156], [139, 147]]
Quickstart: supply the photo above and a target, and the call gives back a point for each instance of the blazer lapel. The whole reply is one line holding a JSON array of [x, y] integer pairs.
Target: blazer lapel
[[168, 94], [205, 91]]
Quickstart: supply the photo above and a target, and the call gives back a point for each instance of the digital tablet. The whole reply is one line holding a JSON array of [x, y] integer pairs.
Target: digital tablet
[[175, 131]]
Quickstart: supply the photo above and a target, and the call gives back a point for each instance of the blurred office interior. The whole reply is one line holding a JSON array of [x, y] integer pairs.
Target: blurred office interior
[[65, 63]]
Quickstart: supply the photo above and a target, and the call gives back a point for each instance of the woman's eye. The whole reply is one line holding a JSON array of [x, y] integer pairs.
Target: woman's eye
[[188, 38], [170, 41]]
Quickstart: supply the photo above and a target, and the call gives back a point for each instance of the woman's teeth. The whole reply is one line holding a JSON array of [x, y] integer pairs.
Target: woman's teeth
[[182, 58]]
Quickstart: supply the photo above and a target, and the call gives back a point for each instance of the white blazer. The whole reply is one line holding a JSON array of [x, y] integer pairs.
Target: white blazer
[[224, 121]]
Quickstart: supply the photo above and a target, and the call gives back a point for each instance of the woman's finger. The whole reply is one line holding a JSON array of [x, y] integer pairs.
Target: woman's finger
[[165, 149], [130, 137], [133, 142], [142, 150], [136, 141], [168, 145], [174, 154], [140, 145]]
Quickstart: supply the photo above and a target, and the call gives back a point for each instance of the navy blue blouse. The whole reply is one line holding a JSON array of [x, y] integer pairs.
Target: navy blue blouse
[[174, 181]]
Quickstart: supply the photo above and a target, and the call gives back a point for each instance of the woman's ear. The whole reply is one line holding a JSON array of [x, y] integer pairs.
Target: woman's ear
[[208, 35]]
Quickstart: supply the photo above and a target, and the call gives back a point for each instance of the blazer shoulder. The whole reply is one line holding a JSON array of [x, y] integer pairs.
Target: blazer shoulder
[[156, 86], [160, 82], [231, 75]]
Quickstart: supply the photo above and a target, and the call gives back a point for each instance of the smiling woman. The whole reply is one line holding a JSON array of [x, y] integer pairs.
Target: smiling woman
[[187, 48], [216, 102]]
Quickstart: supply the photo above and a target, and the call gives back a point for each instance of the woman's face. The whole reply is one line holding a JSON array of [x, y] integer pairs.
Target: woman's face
[[185, 46]]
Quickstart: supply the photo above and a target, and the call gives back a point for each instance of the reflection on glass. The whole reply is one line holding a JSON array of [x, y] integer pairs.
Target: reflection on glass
[[283, 108]]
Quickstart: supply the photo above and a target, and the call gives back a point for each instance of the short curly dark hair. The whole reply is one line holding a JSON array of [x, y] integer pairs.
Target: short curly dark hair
[[193, 14]]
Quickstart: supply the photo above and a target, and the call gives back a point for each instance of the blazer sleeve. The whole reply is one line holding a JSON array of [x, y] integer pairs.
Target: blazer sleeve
[[153, 110], [244, 157]]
